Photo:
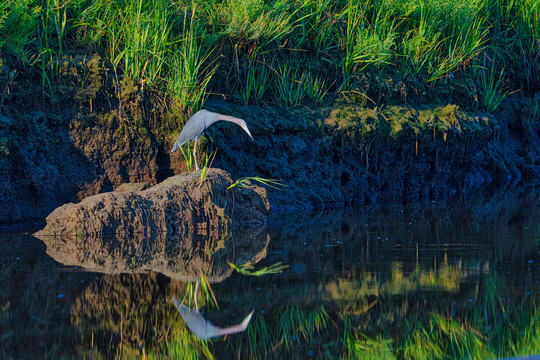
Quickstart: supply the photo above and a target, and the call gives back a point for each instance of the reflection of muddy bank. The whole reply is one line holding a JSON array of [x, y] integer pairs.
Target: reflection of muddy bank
[[68, 313], [178, 206], [505, 215], [34, 301], [390, 250], [184, 258]]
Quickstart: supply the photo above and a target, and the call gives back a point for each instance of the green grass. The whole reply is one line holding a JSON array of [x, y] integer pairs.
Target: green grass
[[486, 319], [257, 81], [187, 156], [178, 53], [245, 182], [187, 77], [494, 88], [207, 164], [183, 346]]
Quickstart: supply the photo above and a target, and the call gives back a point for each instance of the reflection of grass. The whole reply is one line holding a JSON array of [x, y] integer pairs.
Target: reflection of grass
[[482, 320], [131, 305], [192, 290], [443, 337], [449, 338], [183, 345], [487, 328], [247, 269], [295, 325], [293, 330], [445, 278], [377, 348], [291, 333], [483, 326]]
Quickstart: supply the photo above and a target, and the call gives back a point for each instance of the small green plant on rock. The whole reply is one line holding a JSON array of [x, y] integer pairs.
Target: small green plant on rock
[[245, 182], [188, 157], [209, 159]]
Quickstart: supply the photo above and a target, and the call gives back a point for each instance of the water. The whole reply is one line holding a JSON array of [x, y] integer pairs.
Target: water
[[412, 282]]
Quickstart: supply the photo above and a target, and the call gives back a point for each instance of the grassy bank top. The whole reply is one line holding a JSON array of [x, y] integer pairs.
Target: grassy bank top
[[472, 52]]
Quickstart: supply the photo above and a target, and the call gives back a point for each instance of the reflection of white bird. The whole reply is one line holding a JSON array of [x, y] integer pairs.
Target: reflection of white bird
[[198, 123], [203, 328]]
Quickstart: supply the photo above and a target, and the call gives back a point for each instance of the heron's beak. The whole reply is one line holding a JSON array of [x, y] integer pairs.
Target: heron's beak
[[247, 130]]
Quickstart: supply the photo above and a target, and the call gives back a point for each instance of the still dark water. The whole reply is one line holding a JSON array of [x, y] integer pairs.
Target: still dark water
[[459, 279]]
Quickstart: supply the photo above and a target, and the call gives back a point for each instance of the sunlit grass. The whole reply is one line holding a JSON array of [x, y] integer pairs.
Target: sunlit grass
[[245, 182], [187, 156], [272, 49], [188, 76], [494, 88], [257, 80], [207, 164]]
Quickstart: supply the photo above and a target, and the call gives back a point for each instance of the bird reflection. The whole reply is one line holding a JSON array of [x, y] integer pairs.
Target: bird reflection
[[203, 328]]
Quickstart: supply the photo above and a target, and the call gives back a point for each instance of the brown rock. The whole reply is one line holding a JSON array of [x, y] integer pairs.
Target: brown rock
[[178, 206]]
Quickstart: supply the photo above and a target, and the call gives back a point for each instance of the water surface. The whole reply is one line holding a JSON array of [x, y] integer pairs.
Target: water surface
[[435, 280]]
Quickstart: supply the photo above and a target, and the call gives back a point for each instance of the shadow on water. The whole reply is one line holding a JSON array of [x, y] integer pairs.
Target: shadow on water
[[459, 278]]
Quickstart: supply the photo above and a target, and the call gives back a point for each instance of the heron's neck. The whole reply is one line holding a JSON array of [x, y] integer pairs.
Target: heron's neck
[[228, 118]]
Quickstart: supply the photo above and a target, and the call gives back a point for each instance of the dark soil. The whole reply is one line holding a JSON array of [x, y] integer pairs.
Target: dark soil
[[91, 139]]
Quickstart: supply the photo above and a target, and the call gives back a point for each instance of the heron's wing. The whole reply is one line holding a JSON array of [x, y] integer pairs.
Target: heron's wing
[[193, 128]]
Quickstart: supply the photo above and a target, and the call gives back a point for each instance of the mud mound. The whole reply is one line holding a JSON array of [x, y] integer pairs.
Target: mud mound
[[179, 206]]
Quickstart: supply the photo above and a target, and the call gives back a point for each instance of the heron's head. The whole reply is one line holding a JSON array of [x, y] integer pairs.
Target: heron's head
[[243, 124]]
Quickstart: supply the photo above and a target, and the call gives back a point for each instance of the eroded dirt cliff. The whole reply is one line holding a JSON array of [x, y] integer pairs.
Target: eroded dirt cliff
[[52, 153]]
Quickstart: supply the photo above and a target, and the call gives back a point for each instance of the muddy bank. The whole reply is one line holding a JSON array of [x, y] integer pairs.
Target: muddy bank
[[351, 154], [328, 156]]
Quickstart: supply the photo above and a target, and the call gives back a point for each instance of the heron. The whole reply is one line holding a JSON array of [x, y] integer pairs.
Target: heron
[[203, 328], [198, 123]]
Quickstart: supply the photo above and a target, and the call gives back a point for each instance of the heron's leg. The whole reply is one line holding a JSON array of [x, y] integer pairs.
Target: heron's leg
[[196, 289], [195, 154]]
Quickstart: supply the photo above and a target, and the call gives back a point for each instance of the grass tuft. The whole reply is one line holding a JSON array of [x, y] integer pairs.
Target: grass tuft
[[178, 52], [245, 182], [247, 270]]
